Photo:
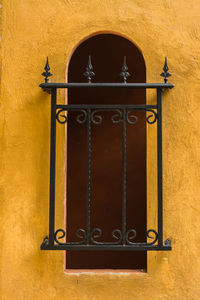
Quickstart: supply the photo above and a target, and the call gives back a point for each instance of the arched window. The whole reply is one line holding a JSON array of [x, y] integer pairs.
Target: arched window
[[106, 158], [106, 165]]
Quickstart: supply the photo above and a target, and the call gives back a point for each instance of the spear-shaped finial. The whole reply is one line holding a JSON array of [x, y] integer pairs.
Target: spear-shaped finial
[[165, 74], [47, 74], [89, 70], [124, 72]]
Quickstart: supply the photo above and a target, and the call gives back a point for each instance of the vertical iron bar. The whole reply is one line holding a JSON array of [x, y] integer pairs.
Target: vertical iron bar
[[88, 174], [124, 178], [159, 159], [52, 168]]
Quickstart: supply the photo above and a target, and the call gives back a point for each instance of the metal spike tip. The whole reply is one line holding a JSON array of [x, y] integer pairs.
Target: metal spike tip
[[124, 74], [165, 74], [89, 61], [47, 74], [47, 68], [89, 70]]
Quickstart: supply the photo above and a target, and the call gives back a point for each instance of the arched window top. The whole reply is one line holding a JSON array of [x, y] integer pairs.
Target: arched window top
[[109, 49]]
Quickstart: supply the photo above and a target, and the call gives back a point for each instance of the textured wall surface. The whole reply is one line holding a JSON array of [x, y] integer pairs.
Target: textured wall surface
[[33, 29]]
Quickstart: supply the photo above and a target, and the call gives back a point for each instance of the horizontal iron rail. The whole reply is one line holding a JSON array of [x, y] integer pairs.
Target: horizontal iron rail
[[50, 85], [106, 106], [107, 247]]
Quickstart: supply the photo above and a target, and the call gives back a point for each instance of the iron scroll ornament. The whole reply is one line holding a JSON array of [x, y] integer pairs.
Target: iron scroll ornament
[[97, 119], [96, 233], [63, 118], [80, 233]]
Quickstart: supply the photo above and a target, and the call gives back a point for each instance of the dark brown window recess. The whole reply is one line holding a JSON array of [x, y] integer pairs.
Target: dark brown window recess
[[106, 118]]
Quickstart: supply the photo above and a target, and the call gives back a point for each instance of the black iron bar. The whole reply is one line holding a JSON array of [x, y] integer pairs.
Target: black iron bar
[[124, 178], [88, 175], [107, 85], [52, 168], [159, 161], [106, 106], [137, 247]]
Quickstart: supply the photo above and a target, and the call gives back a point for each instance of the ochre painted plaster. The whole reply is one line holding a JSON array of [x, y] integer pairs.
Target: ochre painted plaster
[[33, 29]]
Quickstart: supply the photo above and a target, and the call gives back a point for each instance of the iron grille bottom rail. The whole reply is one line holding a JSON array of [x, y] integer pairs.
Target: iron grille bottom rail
[[107, 247]]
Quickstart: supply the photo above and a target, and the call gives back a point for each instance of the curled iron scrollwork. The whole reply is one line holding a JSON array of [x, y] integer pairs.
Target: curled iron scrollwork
[[130, 235], [95, 118], [117, 118], [97, 233], [114, 235], [57, 237], [131, 119], [152, 118], [80, 233], [62, 119], [81, 117], [154, 238]]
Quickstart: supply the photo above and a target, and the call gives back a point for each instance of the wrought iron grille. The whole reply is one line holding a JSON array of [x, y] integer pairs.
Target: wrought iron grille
[[89, 114]]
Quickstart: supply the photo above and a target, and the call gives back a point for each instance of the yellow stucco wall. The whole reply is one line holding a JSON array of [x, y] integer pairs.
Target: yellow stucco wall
[[33, 29]]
